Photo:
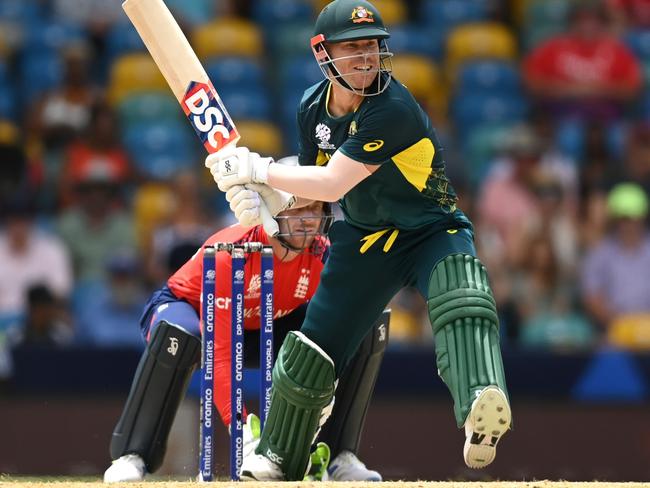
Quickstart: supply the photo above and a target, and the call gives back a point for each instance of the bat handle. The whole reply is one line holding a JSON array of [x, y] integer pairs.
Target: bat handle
[[268, 222]]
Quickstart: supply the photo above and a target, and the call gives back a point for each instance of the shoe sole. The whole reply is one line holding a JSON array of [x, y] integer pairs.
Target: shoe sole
[[247, 476], [490, 417]]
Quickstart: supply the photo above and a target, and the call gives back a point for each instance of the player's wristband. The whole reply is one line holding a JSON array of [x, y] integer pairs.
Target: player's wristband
[[261, 170]]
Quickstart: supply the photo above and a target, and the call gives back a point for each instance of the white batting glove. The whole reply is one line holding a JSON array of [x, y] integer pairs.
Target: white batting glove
[[276, 200], [245, 204], [237, 166]]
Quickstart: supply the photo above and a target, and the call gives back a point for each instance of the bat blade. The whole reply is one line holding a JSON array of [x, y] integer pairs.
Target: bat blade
[[188, 80], [183, 72]]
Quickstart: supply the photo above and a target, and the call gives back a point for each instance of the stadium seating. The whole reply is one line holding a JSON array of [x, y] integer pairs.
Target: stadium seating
[[20, 10], [543, 19], [646, 72], [288, 111], [644, 108], [7, 102], [393, 12], [244, 103], [228, 37], [231, 71], [630, 332], [161, 150], [290, 41], [149, 107], [134, 73], [480, 149], [277, 14], [444, 15], [4, 72], [40, 71], [489, 76], [472, 110], [194, 12], [262, 137], [419, 74], [412, 38], [639, 42], [319, 4], [122, 39], [153, 204], [299, 73], [52, 35], [486, 40]]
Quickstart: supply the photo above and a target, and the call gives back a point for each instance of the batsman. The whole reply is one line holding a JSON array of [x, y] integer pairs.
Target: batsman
[[365, 142], [171, 327]]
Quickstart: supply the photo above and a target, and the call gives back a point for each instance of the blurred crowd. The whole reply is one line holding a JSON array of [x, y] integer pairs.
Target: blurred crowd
[[543, 108]]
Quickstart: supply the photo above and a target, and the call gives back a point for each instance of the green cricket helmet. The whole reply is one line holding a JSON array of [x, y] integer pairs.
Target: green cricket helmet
[[351, 20], [346, 20]]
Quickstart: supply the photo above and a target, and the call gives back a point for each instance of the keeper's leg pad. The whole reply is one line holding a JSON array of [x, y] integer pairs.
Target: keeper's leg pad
[[303, 384], [342, 432], [466, 330], [158, 387]]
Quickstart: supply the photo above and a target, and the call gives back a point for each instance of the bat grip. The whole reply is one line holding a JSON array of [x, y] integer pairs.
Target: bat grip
[[268, 222]]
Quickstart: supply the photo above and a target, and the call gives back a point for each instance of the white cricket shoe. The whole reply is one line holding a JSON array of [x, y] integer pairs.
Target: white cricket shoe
[[251, 435], [129, 467], [347, 467], [256, 467], [487, 421]]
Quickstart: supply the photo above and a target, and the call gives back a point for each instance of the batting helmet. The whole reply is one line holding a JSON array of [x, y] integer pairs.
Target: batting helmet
[[351, 20]]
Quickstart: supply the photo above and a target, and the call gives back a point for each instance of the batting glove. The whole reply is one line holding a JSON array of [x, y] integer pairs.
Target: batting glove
[[237, 166], [245, 204], [276, 200]]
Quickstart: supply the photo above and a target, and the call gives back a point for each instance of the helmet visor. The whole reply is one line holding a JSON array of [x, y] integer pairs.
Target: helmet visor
[[304, 229]]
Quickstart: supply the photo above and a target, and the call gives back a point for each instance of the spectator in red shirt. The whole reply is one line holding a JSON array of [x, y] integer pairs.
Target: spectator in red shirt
[[629, 13], [140, 437], [585, 73]]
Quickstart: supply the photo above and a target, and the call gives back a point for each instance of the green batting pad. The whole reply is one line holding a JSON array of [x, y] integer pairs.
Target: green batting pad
[[303, 384], [466, 330]]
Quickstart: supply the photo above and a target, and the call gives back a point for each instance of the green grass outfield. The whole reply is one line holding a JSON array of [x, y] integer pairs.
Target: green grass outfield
[[32, 482]]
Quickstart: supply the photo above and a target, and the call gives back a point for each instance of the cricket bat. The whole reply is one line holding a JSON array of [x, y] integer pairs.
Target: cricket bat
[[188, 80]]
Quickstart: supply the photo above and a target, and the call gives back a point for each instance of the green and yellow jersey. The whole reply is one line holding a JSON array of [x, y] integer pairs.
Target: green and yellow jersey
[[410, 189]]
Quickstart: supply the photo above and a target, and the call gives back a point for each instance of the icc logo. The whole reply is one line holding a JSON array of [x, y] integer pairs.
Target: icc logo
[[173, 346], [268, 274], [239, 275], [211, 274], [323, 132], [206, 116]]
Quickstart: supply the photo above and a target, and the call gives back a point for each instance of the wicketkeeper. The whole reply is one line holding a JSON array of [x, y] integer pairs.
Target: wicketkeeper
[[366, 142], [171, 316]]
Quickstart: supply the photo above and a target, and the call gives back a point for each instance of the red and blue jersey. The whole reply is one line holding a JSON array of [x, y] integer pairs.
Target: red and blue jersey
[[295, 283]]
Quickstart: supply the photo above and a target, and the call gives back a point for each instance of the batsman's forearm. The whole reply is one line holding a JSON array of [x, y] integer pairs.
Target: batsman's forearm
[[307, 182]]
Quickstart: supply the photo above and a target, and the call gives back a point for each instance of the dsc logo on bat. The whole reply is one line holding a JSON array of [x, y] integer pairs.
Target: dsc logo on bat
[[208, 116]]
